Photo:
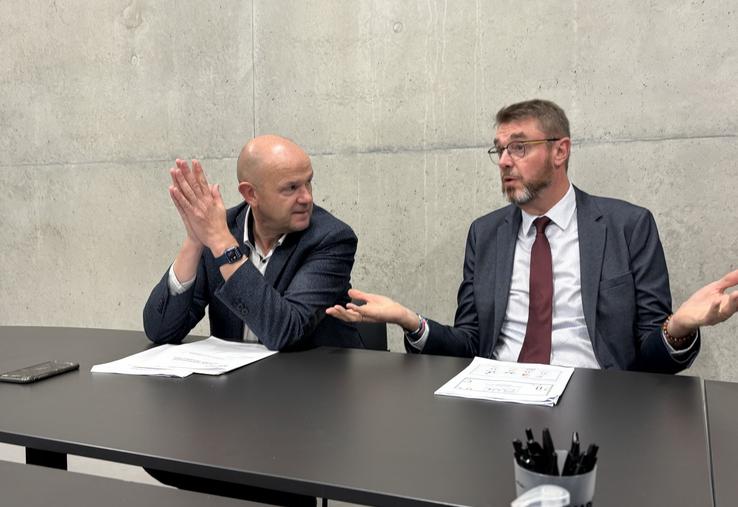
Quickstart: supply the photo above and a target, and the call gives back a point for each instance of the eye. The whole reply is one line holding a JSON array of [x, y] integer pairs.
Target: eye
[[516, 148]]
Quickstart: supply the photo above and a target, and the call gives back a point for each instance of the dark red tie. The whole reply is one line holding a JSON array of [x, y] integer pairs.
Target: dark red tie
[[537, 343]]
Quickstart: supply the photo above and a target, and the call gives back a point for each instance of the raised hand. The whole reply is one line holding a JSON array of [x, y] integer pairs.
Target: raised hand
[[708, 306], [201, 206], [188, 228]]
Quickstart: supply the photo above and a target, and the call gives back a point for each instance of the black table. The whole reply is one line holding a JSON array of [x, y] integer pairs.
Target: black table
[[33, 486], [353, 425], [722, 420]]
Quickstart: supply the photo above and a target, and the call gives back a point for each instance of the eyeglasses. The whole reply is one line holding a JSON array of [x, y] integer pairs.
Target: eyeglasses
[[516, 149]]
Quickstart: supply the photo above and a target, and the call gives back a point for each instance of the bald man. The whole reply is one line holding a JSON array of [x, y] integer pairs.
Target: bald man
[[267, 268]]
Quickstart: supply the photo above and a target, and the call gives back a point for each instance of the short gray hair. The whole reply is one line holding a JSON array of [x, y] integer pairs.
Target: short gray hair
[[552, 118]]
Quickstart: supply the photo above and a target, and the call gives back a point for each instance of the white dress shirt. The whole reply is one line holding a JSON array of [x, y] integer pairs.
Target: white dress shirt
[[570, 343]]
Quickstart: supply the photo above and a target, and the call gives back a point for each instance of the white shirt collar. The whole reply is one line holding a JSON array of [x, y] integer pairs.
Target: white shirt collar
[[247, 241], [560, 214]]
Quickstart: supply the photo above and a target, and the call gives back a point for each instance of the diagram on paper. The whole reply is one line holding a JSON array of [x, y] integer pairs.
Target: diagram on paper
[[490, 386], [516, 371], [488, 379]]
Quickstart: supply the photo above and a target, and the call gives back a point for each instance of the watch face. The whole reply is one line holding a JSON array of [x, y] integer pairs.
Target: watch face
[[233, 254]]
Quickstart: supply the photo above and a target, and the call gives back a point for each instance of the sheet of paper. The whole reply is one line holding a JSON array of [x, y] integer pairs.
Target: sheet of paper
[[212, 356], [487, 379]]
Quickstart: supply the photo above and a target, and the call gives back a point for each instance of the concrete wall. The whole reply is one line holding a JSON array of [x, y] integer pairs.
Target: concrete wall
[[393, 100]]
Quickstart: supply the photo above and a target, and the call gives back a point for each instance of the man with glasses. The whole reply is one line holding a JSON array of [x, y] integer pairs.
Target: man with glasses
[[559, 276]]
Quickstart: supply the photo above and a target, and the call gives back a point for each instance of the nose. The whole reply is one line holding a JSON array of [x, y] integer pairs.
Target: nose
[[306, 195], [505, 161]]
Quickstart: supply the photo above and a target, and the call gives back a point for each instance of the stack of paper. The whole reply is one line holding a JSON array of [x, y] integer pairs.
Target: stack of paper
[[487, 379], [210, 357]]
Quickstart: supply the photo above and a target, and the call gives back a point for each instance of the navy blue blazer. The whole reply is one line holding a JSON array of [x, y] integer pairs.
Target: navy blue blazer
[[625, 287], [285, 308]]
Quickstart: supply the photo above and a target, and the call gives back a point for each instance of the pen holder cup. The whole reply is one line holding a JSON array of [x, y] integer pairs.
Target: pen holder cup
[[581, 487]]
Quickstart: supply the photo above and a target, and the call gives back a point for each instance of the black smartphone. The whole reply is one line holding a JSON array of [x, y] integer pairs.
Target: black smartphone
[[37, 372]]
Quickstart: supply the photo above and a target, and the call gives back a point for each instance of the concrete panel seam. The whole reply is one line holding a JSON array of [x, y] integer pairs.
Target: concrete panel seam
[[164, 161], [596, 141], [575, 142], [382, 151], [253, 66]]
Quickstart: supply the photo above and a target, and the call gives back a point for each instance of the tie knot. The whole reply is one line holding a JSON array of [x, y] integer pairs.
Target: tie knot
[[541, 223]]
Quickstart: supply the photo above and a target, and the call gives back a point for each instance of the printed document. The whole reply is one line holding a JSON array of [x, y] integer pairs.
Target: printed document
[[212, 356], [487, 379]]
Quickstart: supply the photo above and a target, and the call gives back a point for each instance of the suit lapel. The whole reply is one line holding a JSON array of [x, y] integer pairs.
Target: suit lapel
[[592, 235], [280, 257], [237, 227], [506, 240]]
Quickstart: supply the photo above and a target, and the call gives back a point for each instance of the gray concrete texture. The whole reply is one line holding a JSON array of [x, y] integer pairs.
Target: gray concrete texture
[[395, 103]]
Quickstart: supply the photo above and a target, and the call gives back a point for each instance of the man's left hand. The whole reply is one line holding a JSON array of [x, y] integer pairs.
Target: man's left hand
[[202, 205], [708, 306]]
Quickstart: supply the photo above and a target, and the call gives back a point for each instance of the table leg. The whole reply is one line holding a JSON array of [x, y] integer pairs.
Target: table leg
[[46, 458]]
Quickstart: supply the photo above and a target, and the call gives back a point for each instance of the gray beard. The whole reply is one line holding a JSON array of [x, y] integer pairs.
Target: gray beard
[[528, 193], [532, 189]]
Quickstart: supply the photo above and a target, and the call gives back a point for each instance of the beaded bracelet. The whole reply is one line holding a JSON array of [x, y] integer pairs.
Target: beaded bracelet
[[677, 343]]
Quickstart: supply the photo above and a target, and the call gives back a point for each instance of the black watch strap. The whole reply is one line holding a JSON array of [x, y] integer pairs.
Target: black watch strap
[[231, 255]]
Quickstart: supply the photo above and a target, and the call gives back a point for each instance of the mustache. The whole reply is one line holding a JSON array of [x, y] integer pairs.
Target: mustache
[[509, 173]]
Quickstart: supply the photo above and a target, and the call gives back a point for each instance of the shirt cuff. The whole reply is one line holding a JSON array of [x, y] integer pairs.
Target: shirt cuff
[[419, 343], [680, 352], [175, 287]]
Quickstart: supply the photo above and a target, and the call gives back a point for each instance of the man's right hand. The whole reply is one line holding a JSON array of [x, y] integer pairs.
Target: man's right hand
[[185, 264], [193, 239], [376, 308]]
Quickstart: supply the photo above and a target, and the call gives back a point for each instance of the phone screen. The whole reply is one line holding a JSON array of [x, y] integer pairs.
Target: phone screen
[[37, 371]]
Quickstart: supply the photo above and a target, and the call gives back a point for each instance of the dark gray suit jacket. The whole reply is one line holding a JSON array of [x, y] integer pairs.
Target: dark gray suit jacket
[[285, 308], [625, 287]]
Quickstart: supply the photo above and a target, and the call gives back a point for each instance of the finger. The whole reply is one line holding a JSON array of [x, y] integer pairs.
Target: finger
[[215, 193], [343, 314], [367, 313], [177, 205], [172, 192], [357, 294], [171, 173], [200, 177], [182, 214], [182, 204], [354, 307], [335, 311], [729, 305], [182, 165], [733, 302], [729, 280], [189, 176], [356, 316], [182, 185]]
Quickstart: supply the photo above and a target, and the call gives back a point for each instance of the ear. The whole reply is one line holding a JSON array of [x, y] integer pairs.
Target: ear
[[248, 192], [561, 152]]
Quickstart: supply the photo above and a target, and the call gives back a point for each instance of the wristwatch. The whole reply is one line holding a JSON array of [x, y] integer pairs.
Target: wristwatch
[[231, 255]]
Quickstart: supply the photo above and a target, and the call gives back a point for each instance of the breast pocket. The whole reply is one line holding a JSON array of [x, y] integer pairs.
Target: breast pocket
[[616, 302], [615, 281]]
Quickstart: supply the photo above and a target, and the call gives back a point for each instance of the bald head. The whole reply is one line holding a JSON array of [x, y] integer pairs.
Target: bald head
[[268, 153], [275, 179]]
